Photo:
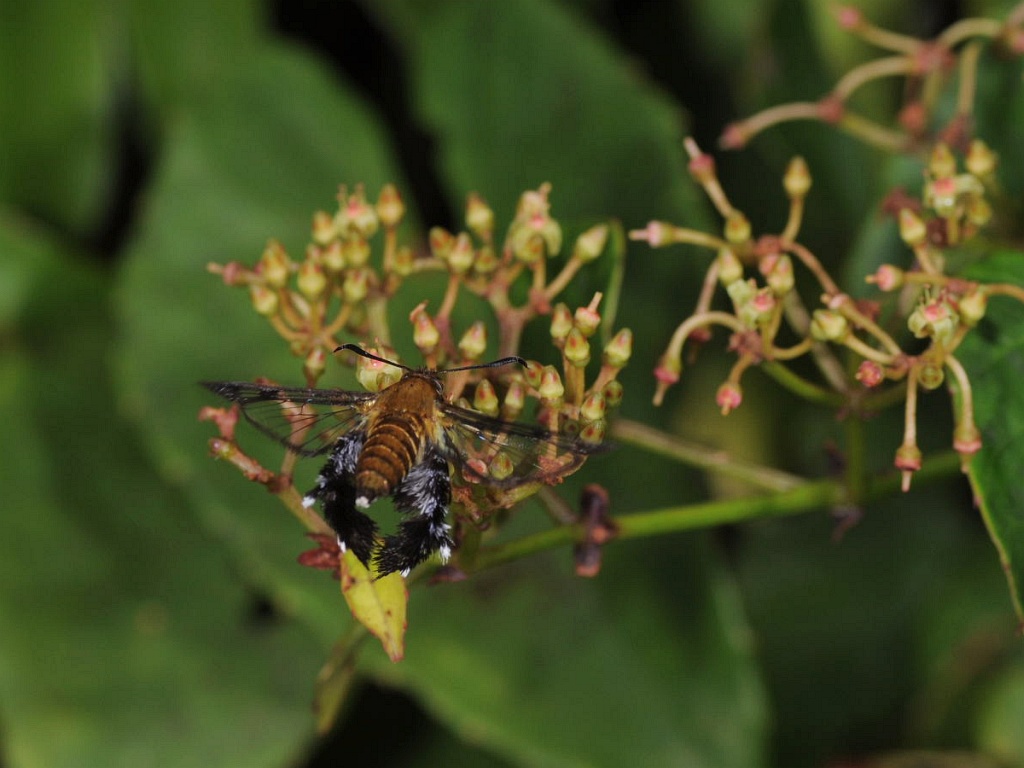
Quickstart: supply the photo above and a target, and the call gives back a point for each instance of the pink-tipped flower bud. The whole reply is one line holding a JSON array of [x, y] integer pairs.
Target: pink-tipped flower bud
[[701, 165], [356, 285], [500, 467], [619, 349], [324, 229], [515, 400], [941, 195], [758, 309], [593, 432], [655, 234], [275, 267], [966, 440], [551, 388], [870, 373], [527, 246], [461, 255], [887, 278], [534, 373], [264, 300], [797, 180], [355, 215], [729, 397], [737, 228], [587, 320], [390, 206], [561, 322], [375, 375], [591, 243], [828, 325], [312, 281], [613, 392], [576, 349], [593, 407], [730, 268], [479, 216], [424, 332], [485, 399], [913, 231], [473, 343]]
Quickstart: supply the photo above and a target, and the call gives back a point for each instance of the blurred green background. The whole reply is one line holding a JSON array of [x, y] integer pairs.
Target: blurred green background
[[151, 610]]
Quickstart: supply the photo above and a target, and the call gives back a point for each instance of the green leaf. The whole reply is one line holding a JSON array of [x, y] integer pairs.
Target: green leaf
[[56, 135], [994, 358], [125, 635], [648, 664]]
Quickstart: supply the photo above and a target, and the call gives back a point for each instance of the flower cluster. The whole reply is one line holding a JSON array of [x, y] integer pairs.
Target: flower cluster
[[927, 66], [343, 286], [942, 309]]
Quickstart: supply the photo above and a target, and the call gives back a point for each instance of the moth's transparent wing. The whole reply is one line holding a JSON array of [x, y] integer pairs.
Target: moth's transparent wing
[[307, 421], [505, 454]]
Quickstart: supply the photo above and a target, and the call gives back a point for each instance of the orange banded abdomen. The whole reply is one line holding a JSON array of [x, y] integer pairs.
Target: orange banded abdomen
[[392, 445]]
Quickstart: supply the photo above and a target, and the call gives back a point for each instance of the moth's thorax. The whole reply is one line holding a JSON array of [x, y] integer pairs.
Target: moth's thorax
[[401, 422]]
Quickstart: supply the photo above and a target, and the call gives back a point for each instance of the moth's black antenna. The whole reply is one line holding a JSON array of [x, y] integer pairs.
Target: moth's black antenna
[[360, 351], [496, 364]]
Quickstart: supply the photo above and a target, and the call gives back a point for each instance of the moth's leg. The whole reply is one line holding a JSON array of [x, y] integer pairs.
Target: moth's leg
[[423, 497], [336, 491]]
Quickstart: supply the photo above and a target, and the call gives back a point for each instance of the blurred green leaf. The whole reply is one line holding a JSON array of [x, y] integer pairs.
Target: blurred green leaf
[[999, 724], [56, 98], [994, 358], [648, 664], [125, 637]]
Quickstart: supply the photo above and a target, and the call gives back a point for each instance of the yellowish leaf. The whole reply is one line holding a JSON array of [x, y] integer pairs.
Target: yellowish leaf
[[377, 603]]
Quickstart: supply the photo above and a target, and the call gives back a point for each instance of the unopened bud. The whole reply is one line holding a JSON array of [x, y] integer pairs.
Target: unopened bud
[[593, 433], [424, 333], [332, 257], [315, 363], [356, 251], [797, 181], [403, 261], [577, 348], [591, 243], [613, 392], [741, 291], [979, 212], [561, 322], [828, 325], [593, 407], [356, 285], [913, 231], [485, 399], [473, 343], [619, 349], [870, 373], [390, 206], [375, 375], [486, 260], [515, 400], [757, 309], [980, 160], [780, 274], [500, 467], [275, 266], [460, 257], [941, 195], [264, 300], [534, 373], [737, 228], [355, 215], [312, 281], [551, 387], [324, 229], [973, 306], [528, 246], [730, 269], [587, 319], [941, 163], [441, 242], [479, 216]]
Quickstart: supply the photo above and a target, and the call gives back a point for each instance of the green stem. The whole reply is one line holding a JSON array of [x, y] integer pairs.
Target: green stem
[[701, 456], [802, 387]]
